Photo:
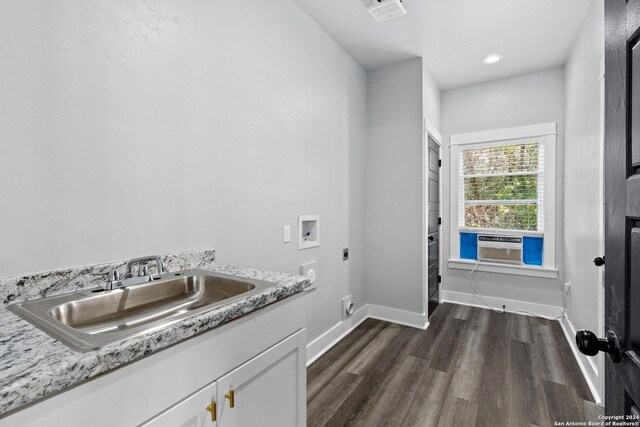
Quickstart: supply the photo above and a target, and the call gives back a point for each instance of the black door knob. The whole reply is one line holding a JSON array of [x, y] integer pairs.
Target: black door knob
[[588, 343], [431, 238], [599, 261]]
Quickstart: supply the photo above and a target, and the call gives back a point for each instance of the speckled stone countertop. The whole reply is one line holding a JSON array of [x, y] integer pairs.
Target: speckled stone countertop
[[34, 365]]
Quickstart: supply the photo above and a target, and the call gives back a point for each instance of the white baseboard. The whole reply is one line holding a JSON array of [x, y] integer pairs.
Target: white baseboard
[[324, 342], [402, 317], [587, 364], [512, 306]]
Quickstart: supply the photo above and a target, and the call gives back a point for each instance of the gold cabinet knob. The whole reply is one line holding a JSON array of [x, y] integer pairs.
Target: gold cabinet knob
[[230, 396], [212, 408]]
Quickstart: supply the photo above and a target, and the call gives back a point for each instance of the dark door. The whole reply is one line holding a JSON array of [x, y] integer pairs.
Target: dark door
[[622, 211], [433, 234]]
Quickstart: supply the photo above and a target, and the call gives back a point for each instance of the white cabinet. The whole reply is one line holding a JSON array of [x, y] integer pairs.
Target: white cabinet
[[268, 390], [198, 410]]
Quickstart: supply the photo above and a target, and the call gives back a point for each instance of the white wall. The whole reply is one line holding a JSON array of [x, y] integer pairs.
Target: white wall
[[583, 174], [132, 128], [394, 186], [517, 101], [431, 97]]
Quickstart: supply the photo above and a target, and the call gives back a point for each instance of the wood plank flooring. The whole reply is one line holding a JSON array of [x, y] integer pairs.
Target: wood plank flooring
[[471, 367]]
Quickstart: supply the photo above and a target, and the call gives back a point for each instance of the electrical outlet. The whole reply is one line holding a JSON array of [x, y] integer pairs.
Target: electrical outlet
[[286, 234], [567, 287]]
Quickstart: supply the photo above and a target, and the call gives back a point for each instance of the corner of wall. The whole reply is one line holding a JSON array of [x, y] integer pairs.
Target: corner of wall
[[322, 344], [584, 146], [431, 98], [395, 186]]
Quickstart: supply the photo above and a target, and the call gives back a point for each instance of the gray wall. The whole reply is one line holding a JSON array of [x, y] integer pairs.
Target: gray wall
[[132, 128], [518, 101], [583, 177], [394, 186]]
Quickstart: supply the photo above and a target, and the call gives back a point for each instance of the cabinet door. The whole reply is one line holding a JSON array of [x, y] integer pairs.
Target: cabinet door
[[268, 390], [194, 411]]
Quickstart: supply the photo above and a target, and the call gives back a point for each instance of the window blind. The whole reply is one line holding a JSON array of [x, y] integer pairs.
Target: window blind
[[502, 187]]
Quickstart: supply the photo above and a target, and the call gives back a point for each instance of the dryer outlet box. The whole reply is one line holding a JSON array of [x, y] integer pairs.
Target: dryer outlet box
[[310, 270], [348, 307]]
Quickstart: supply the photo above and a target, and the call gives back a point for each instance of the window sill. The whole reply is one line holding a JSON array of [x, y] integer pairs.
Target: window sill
[[498, 231], [517, 270]]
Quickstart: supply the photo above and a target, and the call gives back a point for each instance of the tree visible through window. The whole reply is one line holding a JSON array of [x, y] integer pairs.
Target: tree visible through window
[[502, 186]]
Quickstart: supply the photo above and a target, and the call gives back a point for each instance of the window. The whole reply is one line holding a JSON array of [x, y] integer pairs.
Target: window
[[502, 187], [503, 198]]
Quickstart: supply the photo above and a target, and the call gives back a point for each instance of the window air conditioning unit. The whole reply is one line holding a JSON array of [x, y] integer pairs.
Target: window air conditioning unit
[[503, 249]]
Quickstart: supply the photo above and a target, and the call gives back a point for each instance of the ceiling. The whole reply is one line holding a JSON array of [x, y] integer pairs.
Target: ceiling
[[453, 36]]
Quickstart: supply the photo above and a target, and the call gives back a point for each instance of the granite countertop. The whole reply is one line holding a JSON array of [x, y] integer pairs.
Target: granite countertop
[[34, 365]]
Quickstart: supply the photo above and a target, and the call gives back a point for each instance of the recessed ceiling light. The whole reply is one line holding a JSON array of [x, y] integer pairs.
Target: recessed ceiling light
[[492, 59]]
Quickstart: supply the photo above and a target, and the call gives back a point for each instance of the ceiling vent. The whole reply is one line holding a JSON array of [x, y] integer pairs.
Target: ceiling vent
[[383, 10]]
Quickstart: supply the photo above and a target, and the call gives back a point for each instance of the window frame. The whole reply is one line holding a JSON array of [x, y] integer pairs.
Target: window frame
[[546, 135]]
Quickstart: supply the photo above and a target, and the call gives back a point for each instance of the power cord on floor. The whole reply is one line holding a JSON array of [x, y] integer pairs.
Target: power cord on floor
[[476, 292]]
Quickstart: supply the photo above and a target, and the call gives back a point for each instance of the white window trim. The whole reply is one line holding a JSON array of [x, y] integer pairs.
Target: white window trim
[[491, 267], [545, 133]]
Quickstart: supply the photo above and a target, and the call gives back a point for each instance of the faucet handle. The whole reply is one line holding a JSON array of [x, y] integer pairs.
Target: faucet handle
[[112, 280], [114, 276], [144, 270]]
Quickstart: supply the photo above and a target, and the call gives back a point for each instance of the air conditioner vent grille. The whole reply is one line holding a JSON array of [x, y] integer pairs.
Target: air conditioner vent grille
[[505, 249], [388, 9]]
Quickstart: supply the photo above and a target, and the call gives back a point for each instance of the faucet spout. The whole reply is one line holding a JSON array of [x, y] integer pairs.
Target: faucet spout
[[143, 260], [116, 282]]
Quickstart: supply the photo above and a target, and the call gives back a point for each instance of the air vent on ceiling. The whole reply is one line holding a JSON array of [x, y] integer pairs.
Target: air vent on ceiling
[[383, 10]]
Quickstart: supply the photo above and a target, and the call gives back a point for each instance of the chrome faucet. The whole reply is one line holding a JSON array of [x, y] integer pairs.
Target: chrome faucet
[[114, 281]]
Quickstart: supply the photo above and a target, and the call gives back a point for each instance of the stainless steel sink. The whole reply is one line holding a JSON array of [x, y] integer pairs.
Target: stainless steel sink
[[93, 318]]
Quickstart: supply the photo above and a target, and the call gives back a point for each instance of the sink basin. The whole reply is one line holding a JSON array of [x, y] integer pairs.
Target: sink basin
[[91, 319]]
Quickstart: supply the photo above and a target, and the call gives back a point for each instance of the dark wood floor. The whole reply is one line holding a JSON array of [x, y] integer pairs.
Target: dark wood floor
[[471, 367]]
